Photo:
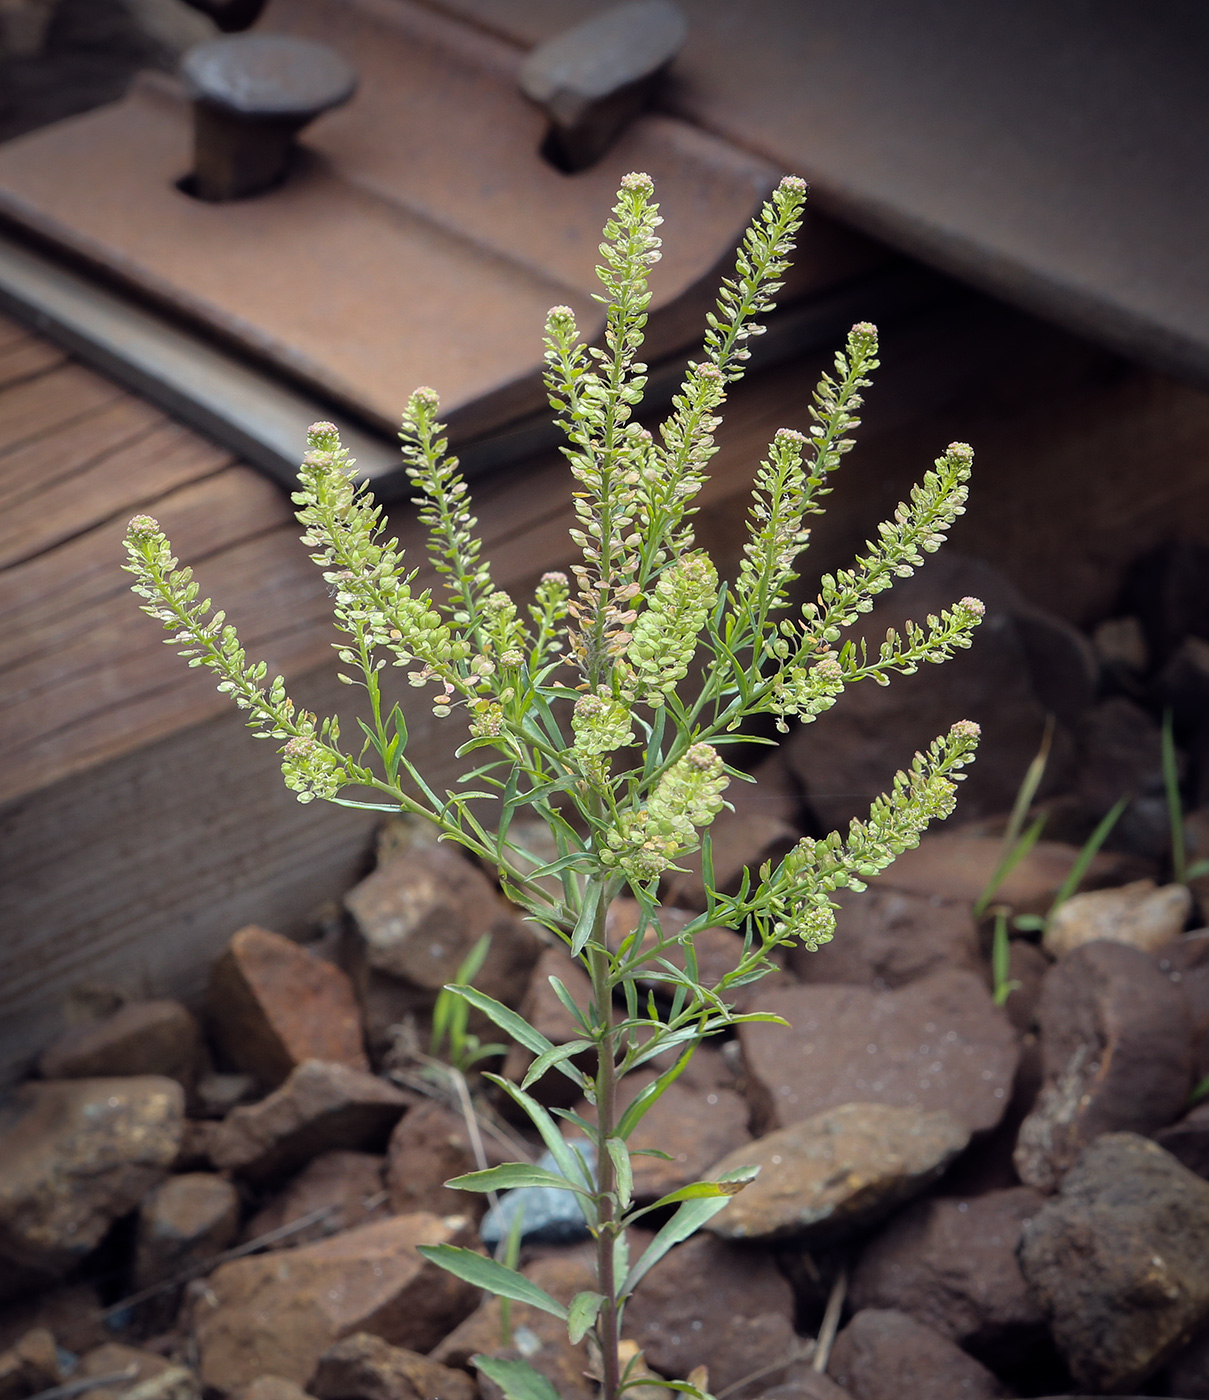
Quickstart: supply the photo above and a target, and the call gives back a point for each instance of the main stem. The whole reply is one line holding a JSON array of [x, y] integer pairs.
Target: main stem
[[607, 1326]]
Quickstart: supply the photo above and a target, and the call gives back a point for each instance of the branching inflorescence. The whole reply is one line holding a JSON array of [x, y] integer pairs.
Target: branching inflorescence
[[604, 704]]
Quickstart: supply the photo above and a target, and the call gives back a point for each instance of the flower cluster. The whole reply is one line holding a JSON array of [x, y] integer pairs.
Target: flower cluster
[[686, 798]]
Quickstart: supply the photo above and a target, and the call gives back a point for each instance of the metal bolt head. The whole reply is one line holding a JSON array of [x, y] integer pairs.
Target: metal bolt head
[[268, 76]]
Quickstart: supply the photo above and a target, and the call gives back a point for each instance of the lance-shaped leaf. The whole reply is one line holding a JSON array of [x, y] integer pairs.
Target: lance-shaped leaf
[[516, 1026], [623, 1172], [730, 1185], [582, 1314], [557, 1057], [517, 1379], [494, 1277], [587, 919], [563, 1154], [687, 1221], [510, 1175]]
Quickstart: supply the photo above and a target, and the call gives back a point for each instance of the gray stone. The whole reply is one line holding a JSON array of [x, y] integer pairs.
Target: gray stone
[[836, 1172], [1117, 1261], [550, 1216], [78, 1154]]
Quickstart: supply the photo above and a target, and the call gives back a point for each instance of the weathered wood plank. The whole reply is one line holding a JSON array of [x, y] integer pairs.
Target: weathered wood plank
[[41, 405], [134, 474], [25, 359]]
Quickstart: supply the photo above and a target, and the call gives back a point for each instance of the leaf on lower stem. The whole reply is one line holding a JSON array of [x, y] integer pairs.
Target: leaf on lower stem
[[582, 1314], [517, 1379], [491, 1275]]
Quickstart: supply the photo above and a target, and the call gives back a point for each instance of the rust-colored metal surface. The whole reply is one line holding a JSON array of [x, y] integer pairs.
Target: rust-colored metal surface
[[422, 236]]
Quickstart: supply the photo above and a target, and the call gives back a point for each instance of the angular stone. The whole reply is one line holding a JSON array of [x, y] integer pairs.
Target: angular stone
[[31, 1364], [836, 1172], [957, 866], [430, 1145], [885, 1355], [806, 1384], [419, 915], [78, 1154], [217, 1094], [709, 1303], [1188, 1140], [348, 1185], [538, 1338], [182, 1222], [1116, 1054], [546, 1013], [952, 1264], [320, 1107], [937, 1043], [278, 1313], [1117, 1261], [151, 1377], [1141, 915], [886, 938], [142, 1037], [273, 1005], [364, 1367]]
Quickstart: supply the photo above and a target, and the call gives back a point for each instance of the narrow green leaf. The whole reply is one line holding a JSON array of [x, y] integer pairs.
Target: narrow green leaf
[[517, 1379], [729, 1185], [516, 1026], [1020, 848], [687, 1220], [509, 1176], [491, 1275], [1086, 855], [623, 1172], [557, 1057], [568, 1001], [587, 918], [649, 1096], [568, 1161], [582, 1314]]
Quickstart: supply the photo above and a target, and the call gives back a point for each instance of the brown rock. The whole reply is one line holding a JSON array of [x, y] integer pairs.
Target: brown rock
[[348, 1185], [320, 1107], [538, 1338], [806, 1384], [31, 1364], [271, 1388], [1186, 963], [1117, 1261], [885, 1355], [952, 1265], [836, 1172], [546, 1013], [1116, 1054], [937, 1043], [1139, 914], [1024, 663], [194, 1152], [279, 1313], [430, 1145], [151, 1377], [957, 867], [1027, 966], [709, 1303], [182, 1222], [143, 1037], [1188, 1140], [70, 1312], [885, 939], [77, 1154], [417, 917], [273, 1005], [217, 1094], [364, 1367]]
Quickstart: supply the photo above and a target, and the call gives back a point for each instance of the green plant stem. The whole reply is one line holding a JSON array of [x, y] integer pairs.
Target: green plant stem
[[608, 1325], [1175, 806]]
